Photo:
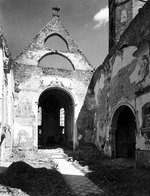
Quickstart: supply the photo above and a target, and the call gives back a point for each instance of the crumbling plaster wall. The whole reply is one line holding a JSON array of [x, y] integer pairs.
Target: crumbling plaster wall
[[6, 100], [136, 6], [124, 79], [37, 49], [128, 75], [8, 116], [30, 81], [85, 121], [32, 78]]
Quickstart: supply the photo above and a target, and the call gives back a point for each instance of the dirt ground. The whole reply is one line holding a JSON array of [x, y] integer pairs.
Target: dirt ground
[[116, 177], [32, 174]]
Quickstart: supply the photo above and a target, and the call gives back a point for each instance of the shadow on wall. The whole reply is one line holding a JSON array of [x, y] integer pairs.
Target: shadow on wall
[[2, 138], [85, 121], [1, 141]]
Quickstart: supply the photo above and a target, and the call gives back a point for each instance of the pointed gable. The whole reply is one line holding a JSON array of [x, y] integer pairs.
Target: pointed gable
[[36, 50]]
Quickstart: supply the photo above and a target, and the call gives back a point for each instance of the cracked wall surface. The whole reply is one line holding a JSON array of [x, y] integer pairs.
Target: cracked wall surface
[[6, 100], [123, 80], [32, 78]]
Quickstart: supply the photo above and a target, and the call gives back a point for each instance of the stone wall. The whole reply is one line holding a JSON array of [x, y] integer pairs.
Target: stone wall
[[30, 81], [124, 79], [121, 13], [32, 78], [6, 100]]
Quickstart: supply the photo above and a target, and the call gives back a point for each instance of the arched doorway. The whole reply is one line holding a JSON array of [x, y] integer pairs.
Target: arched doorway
[[55, 118], [123, 133]]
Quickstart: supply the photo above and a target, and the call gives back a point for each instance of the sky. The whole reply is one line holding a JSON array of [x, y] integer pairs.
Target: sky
[[86, 20]]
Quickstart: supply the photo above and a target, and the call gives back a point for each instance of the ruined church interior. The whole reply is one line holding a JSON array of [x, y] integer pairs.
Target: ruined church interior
[[51, 95]]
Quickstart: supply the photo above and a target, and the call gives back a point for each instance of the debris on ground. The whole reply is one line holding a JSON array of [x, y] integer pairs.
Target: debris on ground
[[33, 173], [117, 177], [34, 181], [8, 191], [36, 158]]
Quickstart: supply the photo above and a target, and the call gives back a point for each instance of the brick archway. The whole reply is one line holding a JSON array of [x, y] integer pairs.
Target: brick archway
[[50, 130], [123, 130]]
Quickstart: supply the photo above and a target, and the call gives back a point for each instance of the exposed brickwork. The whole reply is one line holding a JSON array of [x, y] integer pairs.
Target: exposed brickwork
[[136, 33], [85, 121], [36, 49], [31, 78], [25, 72], [123, 80], [117, 24], [120, 16], [120, 86]]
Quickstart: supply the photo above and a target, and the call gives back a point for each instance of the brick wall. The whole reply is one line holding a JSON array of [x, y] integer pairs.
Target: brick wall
[[120, 87], [120, 16]]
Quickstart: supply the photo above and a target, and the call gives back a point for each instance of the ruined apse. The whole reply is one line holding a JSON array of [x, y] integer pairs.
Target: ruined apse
[[51, 76], [122, 93]]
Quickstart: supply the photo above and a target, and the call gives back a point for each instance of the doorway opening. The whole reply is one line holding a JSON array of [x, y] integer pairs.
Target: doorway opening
[[124, 129], [55, 118]]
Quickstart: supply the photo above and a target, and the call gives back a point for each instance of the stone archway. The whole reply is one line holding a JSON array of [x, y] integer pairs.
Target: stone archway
[[123, 133], [55, 127]]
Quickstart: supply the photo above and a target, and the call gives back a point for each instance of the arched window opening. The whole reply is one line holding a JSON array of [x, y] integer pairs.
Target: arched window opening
[[56, 42], [39, 116], [62, 117], [40, 121], [146, 117], [56, 61]]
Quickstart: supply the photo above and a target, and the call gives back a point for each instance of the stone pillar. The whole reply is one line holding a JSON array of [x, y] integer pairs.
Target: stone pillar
[[74, 128]]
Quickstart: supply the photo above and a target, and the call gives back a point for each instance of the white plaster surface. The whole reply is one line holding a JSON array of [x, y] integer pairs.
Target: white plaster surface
[[128, 57], [99, 85], [18, 127], [51, 80], [78, 61], [33, 57], [139, 53], [116, 66], [140, 143], [124, 59]]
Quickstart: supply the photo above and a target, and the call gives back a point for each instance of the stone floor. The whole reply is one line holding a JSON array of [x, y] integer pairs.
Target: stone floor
[[75, 179]]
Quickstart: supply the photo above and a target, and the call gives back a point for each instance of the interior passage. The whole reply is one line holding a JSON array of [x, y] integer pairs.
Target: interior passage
[[125, 133], [55, 118]]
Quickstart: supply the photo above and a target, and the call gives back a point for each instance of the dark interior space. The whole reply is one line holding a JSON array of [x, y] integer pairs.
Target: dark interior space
[[125, 134], [55, 118]]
